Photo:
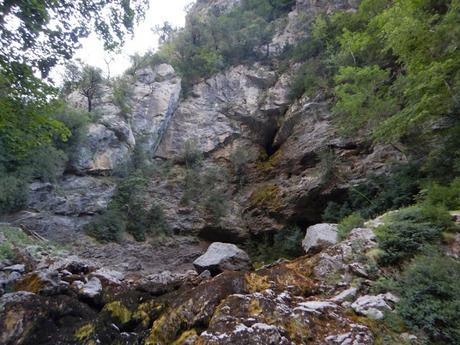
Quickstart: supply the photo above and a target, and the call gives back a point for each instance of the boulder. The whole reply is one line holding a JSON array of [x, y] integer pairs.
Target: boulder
[[373, 306], [221, 257], [20, 268], [319, 237], [91, 291]]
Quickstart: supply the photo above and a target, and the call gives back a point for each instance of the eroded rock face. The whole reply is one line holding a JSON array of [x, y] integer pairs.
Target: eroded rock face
[[221, 110], [111, 140], [318, 237], [222, 257]]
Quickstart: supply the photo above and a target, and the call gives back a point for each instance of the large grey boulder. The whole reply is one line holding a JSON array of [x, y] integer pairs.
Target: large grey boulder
[[319, 237], [221, 257], [374, 306]]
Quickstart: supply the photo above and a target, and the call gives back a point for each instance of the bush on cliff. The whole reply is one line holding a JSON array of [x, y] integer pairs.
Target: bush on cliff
[[430, 298], [409, 231]]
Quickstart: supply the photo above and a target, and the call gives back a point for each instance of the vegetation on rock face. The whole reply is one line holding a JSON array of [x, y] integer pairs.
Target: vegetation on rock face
[[430, 298], [205, 47]]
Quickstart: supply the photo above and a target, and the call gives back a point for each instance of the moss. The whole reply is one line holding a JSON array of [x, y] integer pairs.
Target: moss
[[147, 312], [254, 308], [186, 336], [297, 331], [257, 282], [119, 312], [32, 283], [268, 163], [84, 332], [268, 196], [167, 327]]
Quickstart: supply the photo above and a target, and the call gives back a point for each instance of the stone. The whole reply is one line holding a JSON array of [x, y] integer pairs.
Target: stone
[[20, 268], [358, 269], [221, 257], [316, 307], [91, 291], [374, 306], [44, 282], [108, 277], [345, 295], [363, 234], [319, 237]]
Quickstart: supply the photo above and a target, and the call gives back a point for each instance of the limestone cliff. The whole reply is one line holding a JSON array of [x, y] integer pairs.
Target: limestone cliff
[[294, 160]]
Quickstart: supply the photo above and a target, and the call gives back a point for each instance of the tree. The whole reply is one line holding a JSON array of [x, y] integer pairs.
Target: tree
[[35, 36], [89, 84], [40, 33]]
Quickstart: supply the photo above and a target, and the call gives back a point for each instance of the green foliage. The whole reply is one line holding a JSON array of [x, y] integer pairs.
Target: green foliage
[[389, 78], [407, 232], [430, 298], [46, 163], [268, 248], [13, 193], [443, 157], [121, 94], [378, 194], [191, 156], [14, 238], [85, 79], [47, 31], [312, 78], [107, 227], [239, 159], [446, 196], [205, 47], [76, 121], [129, 211], [360, 100], [349, 223]]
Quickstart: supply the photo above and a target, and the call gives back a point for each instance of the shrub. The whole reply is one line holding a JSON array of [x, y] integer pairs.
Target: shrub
[[13, 193], [430, 298], [378, 194], [121, 95], [267, 248], [447, 196], [216, 204], [107, 227], [142, 221], [76, 121], [45, 163], [405, 234], [349, 223], [288, 242], [191, 156]]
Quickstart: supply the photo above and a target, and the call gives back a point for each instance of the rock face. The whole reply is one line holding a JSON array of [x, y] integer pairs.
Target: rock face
[[110, 141], [374, 306], [223, 257], [319, 237]]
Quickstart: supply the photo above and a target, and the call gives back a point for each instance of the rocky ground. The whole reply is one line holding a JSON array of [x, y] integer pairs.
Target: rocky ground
[[321, 298]]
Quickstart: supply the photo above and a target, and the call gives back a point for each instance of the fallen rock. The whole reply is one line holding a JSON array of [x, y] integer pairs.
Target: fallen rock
[[166, 281], [358, 269], [345, 295], [319, 237], [373, 306], [108, 277], [44, 282], [364, 234], [222, 257], [21, 268], [91, 291]]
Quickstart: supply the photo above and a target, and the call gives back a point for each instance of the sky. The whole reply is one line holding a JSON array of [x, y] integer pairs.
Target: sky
[[92, 51]]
